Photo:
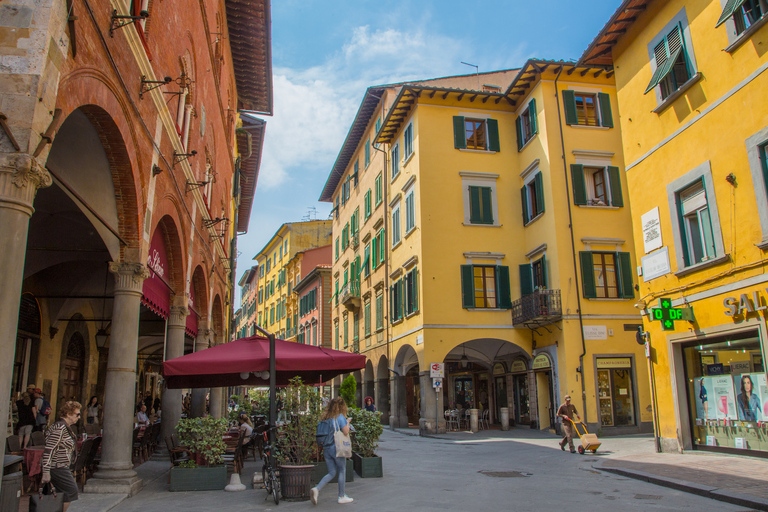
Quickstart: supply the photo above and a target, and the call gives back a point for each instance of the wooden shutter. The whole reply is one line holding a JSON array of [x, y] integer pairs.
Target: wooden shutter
[[587, 275], [526, 280], [467, 286], [519, 130], [544, 271], [459, 135], [532, 116], [625, 274], [382, 246], [474, 205], [606, 118], [577, 182], [493, 135], [524, 199], [485, 196], [414, 291], [539, 193], [569, 102], [616, 198], [503, 295]]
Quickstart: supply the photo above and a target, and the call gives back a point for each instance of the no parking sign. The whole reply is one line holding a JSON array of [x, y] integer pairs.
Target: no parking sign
[[437, 370]]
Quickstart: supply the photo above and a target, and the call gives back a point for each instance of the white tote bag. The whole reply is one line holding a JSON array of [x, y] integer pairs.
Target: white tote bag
[[343, 443]]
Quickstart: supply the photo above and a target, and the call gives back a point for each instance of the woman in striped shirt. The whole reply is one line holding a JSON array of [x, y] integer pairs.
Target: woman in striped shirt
[[60, 443]]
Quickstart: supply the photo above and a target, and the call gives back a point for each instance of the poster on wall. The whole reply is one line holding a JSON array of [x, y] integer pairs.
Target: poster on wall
[[702, 387], [751, 396], [723, 397]]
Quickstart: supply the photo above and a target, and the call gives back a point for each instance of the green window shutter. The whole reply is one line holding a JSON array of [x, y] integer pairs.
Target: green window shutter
[[526, 280], [502, 285], [532, 114], [485, 193], [459, 135], [606, 118], [382, 246], [524, 198], [569, 102], [474, 205], [616, 198], [519, 130], [728, 10], [625, 274], [587, 275], [681, 221], [539, 193], [374, 248], [663, 70], [579, 187], [415, 289], [493, 135], [544, 271], [467, 286]]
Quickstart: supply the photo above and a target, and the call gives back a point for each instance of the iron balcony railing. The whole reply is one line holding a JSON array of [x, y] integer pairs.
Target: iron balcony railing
[[540, 307], [350, 295]]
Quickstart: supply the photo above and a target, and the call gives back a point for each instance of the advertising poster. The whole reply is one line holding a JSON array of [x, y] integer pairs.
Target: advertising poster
[[751, 396], [723, 397], [705, 408]]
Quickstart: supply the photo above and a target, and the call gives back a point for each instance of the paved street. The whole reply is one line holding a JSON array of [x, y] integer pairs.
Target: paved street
[[522, 470]]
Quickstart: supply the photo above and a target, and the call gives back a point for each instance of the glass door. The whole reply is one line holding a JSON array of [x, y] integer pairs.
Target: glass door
[[606, 402], [522, 400]]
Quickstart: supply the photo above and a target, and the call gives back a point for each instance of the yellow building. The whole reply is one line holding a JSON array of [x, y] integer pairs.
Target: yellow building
[[481, 270], [694, 117], [273, 265]]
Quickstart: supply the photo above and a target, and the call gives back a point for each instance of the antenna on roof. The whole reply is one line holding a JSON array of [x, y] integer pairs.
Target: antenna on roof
[[311, 214], [477, 72]]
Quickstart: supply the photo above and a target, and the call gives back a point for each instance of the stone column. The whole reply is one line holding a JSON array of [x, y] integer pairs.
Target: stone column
[[359, 394], [174, 347], [504, 412], [216, 401], [398, 407], [115, 473], [473, 420], [431, 419], [382, 399], [20, 177], [202, 341]]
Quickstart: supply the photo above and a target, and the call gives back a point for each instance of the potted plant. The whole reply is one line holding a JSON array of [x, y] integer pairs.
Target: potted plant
[[365, 440], [242, 405], [204, 438]]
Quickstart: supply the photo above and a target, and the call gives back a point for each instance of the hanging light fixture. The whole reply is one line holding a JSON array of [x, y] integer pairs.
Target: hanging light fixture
[[101, 335], [464, 359]]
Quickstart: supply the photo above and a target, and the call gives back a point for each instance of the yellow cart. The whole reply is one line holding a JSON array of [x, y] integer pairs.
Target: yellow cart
[[588, 441]]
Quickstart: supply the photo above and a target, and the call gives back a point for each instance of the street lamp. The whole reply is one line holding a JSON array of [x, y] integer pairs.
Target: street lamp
[[101, 338]]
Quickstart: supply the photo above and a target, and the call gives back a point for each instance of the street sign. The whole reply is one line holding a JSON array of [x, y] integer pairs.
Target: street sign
[[437, 384], [667, 315], [437, 370]]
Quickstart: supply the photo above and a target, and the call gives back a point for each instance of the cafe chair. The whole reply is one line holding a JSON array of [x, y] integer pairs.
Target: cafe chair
[[484, 420], [92, 462], [80, 467], [37, 439], [451, 420], [234, 456], [13, 445]]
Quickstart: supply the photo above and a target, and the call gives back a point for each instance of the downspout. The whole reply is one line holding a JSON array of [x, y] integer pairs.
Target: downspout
[[573, 251], [233, 254]]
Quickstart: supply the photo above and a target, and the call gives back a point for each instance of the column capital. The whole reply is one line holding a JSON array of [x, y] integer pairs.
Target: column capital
[[129, 277], [21, 175], [177, 316]]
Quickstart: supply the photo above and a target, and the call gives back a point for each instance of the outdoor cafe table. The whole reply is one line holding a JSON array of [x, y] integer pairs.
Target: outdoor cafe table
[[33, 457]]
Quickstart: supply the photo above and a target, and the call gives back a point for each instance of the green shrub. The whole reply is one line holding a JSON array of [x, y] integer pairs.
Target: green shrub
[[368, 429], [203, 436], [296, 437], [348, 390], [241, 406]]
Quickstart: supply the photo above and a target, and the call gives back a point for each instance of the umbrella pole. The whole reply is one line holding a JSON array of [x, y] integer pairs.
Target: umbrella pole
[[272, 396]]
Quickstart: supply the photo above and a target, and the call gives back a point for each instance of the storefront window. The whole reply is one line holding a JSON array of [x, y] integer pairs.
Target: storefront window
[[727, 392], [615, 391]]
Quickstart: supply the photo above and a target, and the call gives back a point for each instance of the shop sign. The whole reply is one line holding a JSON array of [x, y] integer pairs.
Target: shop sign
[[715, 369], [498, 369], [437, 370], [614, 362], [655, 264], [518, 366], [667, 315], [651, 230], [541, 362], [744, 304], [595, 332], [740, 367]]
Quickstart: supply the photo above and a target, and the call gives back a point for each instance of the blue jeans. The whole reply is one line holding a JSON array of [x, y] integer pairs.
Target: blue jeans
[[336, 465]]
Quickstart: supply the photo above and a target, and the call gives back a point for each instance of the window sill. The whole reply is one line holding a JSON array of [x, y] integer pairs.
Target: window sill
[[398, 244], [409, 315], [703, 265], [469, 224], [408, 233], [763, 244], [597, 207], [589, 127], [481, 151], [534, 219], [525, 145], [408, 159], [395, 177], [398, 321], [742, 38], [487, 309], [675, 95], [606, 299]]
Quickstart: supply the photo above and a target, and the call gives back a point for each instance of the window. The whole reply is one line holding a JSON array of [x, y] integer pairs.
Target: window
[[485, 286], [411, 292], [345, 237], [379, 190], [757, 155], [606, 275], [410, 210], [346, 331], [587, 109], [377, 248], [336, 208], [355, 221], [480, 208], [355, 326], [696, 225], [378, 125], [526, 125], [336, 293], [337, 248], [367, 309], [479, 134], [367, 152], [366, 269], [368, 204], [744, 14], [395, 160], [336, 334], [673, 68], [408, 141], [396, 225], [396, 301], [596, 186], [532, 195], [379, 312], [353, 177], [533, 276], [314, 334]]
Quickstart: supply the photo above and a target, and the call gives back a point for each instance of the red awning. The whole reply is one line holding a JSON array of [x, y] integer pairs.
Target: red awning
[[156, 291], [193, 316], [222, 365]]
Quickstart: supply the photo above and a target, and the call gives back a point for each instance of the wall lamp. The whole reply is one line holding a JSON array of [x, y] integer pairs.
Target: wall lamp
[[209, 223], [156, 169], [184, 83], [180, 157], [148, 85], [120, 20], [192, 185]]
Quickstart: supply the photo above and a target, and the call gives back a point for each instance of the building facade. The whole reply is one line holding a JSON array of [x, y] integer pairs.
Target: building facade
[[247, 315], [691, 80], [123, 132], [313, 308]]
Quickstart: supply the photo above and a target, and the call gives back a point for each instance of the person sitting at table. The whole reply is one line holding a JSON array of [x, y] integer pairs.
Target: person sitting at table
[[59, 454], [141, 416], [94, 410], [27, 414], [246, 429]]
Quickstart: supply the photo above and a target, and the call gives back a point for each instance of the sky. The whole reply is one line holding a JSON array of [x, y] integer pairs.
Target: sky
[[325, 54]]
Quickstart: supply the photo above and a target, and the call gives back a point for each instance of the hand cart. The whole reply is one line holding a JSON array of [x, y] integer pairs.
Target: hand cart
[[588, 441]]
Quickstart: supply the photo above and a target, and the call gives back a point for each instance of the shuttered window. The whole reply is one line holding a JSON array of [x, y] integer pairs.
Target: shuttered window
[[673, 66], [485, 286], [532, 198], [606, 275], [587, 109], [526, 125], [480, 206], [596, 186], [479, 134]]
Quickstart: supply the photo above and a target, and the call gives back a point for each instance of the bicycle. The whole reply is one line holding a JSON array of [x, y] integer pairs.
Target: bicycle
[[269, 472]]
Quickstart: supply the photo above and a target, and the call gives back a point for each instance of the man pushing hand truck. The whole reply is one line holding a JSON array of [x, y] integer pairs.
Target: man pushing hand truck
[[566, 412]]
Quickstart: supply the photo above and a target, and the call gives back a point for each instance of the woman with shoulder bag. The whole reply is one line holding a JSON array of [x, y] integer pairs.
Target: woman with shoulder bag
[[59, 454], [336, 415]]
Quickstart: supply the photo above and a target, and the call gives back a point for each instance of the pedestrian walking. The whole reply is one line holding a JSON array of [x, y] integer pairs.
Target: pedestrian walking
[[336, 416], [27, 415], [566, 412], [59, 454], [369, 404]]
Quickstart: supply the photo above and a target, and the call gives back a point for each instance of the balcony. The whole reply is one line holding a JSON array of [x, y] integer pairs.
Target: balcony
[[541, 307], [349, 295], [356, 346], [355, 241], [290, 333]]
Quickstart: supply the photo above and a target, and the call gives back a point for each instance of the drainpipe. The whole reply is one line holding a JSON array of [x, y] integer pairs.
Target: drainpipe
[[573, 251]]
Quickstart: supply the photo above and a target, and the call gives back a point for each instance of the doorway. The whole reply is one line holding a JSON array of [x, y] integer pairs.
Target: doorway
[[500, 384], [72, 375], [522, 399]]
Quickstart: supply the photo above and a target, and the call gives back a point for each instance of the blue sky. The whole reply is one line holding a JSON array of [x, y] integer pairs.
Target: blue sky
[[325, 54]]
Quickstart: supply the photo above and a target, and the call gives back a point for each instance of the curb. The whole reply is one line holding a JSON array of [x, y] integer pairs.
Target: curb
[[715, 493]]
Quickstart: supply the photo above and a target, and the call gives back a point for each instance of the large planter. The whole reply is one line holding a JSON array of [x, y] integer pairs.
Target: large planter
[[201, 478], [367, 467], [295, 482], [321, 469]]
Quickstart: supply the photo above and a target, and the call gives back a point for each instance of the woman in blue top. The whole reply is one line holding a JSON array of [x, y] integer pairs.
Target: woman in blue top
[[336, 415]]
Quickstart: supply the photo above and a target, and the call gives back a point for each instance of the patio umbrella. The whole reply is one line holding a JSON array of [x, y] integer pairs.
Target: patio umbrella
[[245, 362]]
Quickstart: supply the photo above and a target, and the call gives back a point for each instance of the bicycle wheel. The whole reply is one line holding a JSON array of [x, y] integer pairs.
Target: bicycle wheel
[[265, 478], [275, 489]]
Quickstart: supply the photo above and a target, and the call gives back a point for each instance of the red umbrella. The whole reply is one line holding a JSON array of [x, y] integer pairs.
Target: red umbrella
[[226, 365]]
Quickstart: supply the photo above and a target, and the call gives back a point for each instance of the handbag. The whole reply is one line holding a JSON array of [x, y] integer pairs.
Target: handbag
[[343, 443], [46, 500]]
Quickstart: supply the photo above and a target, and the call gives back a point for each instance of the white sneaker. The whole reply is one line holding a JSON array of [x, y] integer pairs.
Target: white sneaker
[[313, 495], [345, 499]]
